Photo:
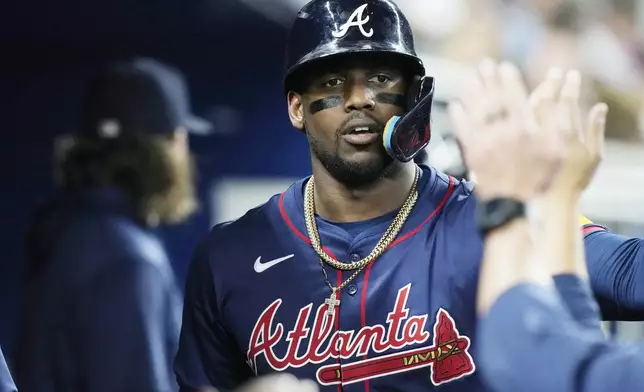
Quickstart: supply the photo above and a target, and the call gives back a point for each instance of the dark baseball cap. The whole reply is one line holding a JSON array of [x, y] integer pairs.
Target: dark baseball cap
[[139, 96]]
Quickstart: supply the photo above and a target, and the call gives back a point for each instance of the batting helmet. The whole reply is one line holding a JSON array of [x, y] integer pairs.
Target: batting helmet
[[326, 29]]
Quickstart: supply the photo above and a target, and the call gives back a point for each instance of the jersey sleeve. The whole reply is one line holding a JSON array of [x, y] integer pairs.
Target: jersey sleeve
[[616, 270], [577, 297], [529, 342], [207, 354], [125, 340]]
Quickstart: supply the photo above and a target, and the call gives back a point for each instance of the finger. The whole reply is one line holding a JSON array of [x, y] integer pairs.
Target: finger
[[535, 101], [550, 111], [596, 129], [546, 100], [492, 100], [554, 78], [548, 133], [515, 94], [570, 122], [488, 71], [461, 123], [472, 94]]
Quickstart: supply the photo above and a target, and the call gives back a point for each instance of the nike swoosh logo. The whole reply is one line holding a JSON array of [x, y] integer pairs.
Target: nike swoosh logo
[[261, 267]]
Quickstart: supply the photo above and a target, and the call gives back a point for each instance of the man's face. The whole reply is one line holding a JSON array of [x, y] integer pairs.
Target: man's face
[[344, 110]]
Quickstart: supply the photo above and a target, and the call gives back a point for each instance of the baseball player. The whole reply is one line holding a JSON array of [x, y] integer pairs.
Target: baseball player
[[103, 309], [532, 338], [362, 276]]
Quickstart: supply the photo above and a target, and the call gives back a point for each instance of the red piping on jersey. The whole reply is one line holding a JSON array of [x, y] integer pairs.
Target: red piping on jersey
[[588, 229], [339, 280], [448, 193], [306, 239], [367, 273], [363, 309]]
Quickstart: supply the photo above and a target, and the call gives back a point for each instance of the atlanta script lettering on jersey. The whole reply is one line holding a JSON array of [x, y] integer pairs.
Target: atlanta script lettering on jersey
[[448, 357]]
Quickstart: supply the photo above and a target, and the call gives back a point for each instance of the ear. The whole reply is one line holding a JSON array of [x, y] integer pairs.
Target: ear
[[295, 110]]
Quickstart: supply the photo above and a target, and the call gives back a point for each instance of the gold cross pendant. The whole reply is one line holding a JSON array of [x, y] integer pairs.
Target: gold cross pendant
[[331, 303]]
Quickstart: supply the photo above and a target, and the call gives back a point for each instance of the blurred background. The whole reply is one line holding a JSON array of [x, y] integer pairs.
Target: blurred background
[[232, 51]]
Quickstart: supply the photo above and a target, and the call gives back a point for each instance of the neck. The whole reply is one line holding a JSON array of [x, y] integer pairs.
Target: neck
[[337, 202]]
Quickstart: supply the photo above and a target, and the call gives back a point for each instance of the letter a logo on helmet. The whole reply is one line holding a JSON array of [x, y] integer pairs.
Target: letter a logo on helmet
[[355, 20]]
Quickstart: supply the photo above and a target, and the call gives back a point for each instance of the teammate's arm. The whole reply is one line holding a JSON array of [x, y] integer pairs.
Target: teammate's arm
[[529, 343], [527, 339], [503, 266], [497, 132], [126, 343], [207, 353], [560, 244], [616, 269]]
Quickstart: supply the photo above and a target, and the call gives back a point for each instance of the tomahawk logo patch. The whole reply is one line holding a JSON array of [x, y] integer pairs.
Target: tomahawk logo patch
[[448, 359]]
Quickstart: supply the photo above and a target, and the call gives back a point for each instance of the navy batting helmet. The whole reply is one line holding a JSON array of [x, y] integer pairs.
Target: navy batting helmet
[[327, 29]]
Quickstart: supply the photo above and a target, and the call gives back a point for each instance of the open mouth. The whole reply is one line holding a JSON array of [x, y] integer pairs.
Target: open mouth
[[361, 135], [360, 130]]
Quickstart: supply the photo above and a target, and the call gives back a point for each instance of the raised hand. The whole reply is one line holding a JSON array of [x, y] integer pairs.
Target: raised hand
[[510, 152], [555, 103]]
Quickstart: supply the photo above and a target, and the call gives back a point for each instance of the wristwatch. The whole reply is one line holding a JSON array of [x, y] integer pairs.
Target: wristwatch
[[495, 213]]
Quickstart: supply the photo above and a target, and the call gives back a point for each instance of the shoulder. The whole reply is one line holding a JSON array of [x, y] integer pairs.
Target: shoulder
[[247, 227], [458, 216], [132, 243], [90, 243], [257, 222], [456, 194], [129, 251], [238, 238], [227, 252]]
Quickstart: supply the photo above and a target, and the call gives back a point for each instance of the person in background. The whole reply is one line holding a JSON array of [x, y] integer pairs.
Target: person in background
[[6, 381], [546, 160], [103, 309]]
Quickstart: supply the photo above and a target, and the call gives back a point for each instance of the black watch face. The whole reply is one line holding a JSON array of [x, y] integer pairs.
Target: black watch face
[[494, 211], [497, 212]]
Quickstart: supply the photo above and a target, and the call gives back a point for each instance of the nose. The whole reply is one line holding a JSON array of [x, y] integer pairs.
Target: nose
[[359, 97]]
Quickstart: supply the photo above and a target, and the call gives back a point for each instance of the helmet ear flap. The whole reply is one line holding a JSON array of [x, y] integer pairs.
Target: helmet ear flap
[[419, 88], [404, 137]]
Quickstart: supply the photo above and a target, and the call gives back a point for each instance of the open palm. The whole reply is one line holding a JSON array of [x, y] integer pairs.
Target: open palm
[[555, 104]]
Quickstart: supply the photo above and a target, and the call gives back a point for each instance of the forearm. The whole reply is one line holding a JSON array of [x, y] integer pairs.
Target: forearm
[[562, 254], [560, 242], [506, 252]]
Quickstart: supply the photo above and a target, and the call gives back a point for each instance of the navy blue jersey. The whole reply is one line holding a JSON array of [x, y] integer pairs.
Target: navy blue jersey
[[255, 298], [103, 309], [523, 350]]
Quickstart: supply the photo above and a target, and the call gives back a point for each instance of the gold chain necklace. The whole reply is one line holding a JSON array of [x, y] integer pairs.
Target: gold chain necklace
[[358, 266]]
